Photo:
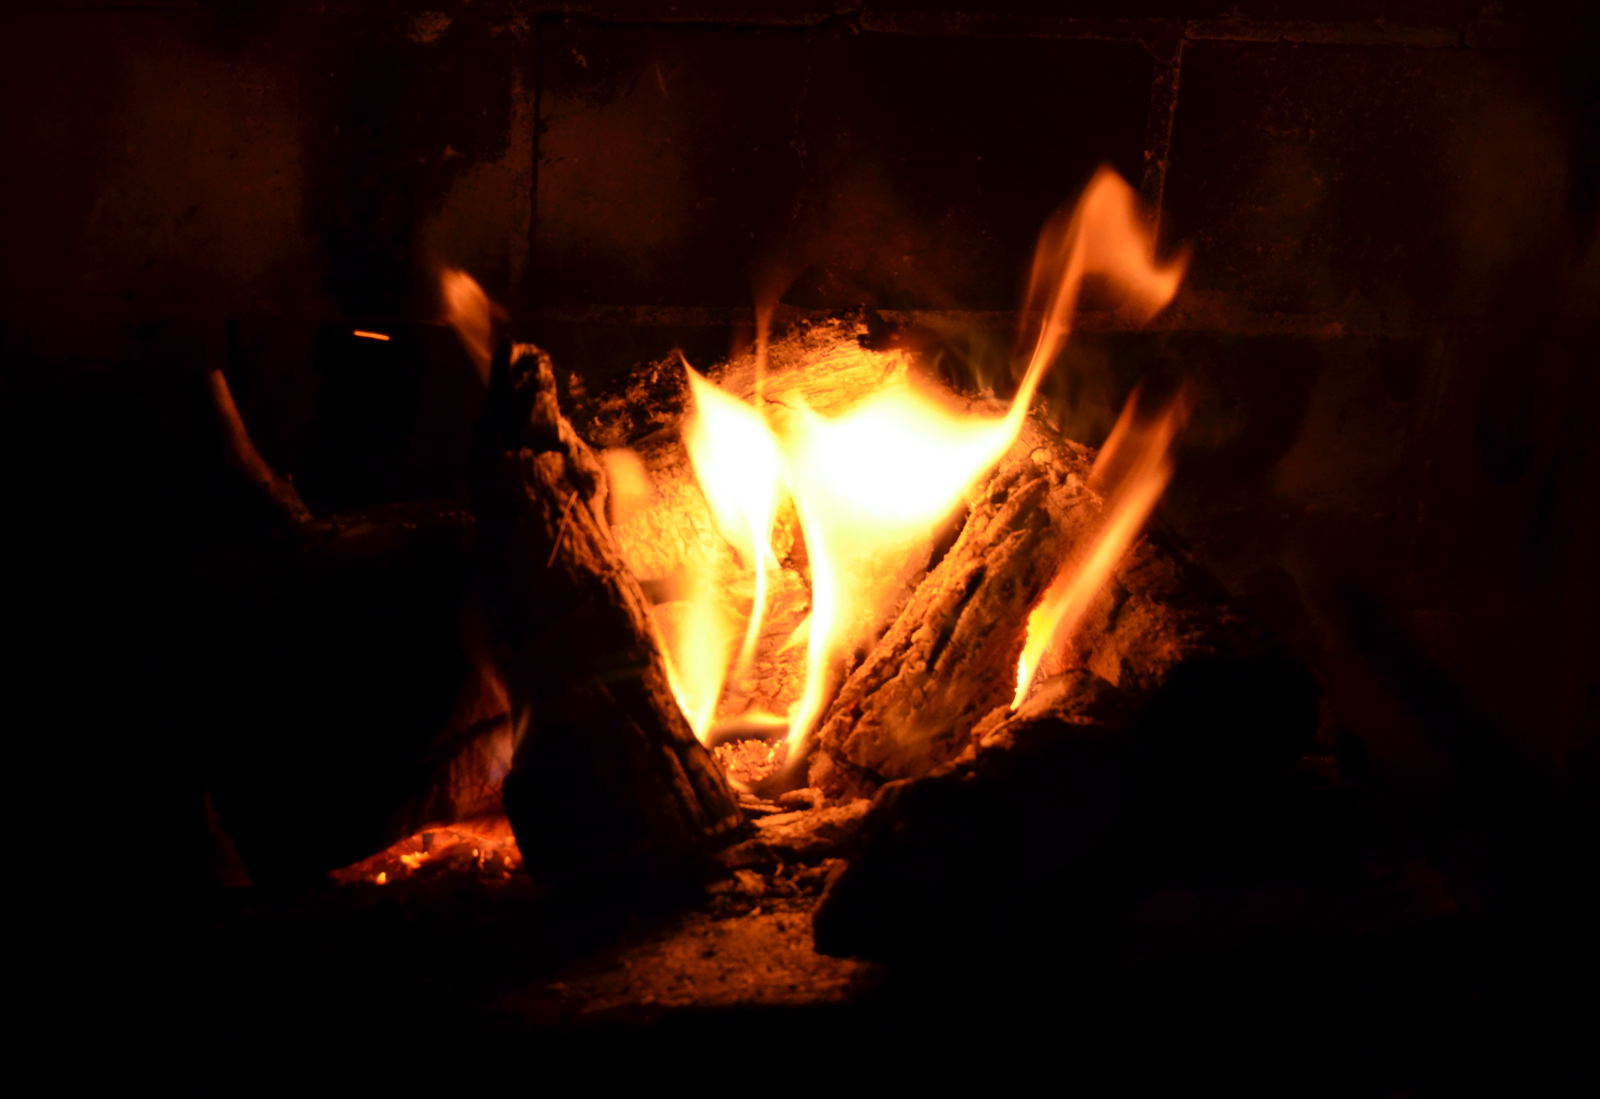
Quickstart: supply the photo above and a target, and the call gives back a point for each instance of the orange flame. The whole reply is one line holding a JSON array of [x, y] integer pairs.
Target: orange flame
[[696, 639], [1139, 459], [468, 310], [627, 484], [870, 484], [1105, 235], [740, 469]]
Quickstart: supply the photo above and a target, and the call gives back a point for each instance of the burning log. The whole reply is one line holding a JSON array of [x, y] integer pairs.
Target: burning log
[[947, 654], [950, 658], [670, 537], [607, 777], [1160, 627], [1047, 788]]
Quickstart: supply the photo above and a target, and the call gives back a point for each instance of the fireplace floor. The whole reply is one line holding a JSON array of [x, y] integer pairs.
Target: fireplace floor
[[497, 953], [458, 959]]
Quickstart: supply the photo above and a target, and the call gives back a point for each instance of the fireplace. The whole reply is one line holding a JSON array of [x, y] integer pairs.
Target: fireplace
[[1382, 333]]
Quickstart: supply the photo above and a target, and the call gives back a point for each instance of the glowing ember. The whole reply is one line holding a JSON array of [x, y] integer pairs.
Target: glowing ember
[[365, 334], [483, 846]]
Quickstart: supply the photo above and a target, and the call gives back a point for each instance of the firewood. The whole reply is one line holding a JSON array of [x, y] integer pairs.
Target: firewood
[[947, 857], [1067, 829], [330, 663], [1160, 629], [331, 646], [607, 778], [951, 655]]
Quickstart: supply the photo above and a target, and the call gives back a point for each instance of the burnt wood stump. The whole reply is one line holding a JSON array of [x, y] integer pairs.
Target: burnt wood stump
[[607, 781]]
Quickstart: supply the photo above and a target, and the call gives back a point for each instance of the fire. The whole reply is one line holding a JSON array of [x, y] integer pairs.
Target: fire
[[467, 309], [1105, 236], [1139, 461], [484, 844], [740, 468], [697, 642], [867, 487], [869, 484]]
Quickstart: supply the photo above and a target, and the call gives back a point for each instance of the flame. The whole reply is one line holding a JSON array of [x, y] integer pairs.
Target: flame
[[696, 640], [870, 483], [1104, 235], [739, 467], [1139, 459], [627, 484], [869, 486], [468, 310]]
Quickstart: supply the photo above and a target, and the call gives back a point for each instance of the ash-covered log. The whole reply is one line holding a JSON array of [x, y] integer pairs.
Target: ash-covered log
[[607, 780], [1160, 630], [951, 656]]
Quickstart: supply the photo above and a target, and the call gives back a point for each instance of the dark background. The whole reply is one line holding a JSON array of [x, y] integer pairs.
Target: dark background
[[1389, 321]]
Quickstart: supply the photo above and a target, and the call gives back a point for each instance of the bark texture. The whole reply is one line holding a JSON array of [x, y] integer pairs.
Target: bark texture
[[606, 778], [951, 655], [918, 682]]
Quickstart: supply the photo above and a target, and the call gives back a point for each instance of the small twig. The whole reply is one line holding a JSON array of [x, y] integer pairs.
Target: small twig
[[561, 530]]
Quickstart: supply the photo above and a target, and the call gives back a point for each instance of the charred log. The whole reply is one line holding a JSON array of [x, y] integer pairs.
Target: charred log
[[607, 777], [330, 673], [964, 850], [1069, 828], [336, 702]]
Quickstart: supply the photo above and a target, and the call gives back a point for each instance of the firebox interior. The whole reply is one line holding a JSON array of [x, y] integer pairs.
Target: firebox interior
[[1384, 338]]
